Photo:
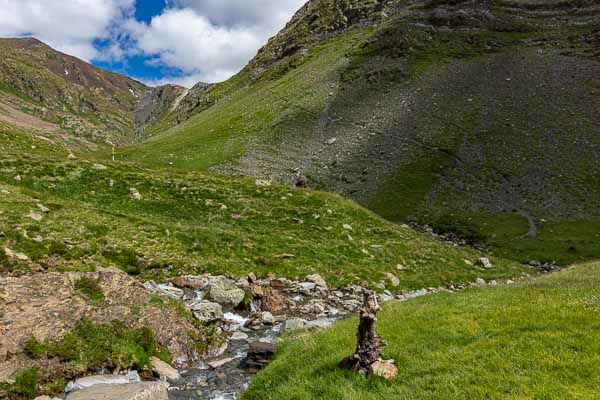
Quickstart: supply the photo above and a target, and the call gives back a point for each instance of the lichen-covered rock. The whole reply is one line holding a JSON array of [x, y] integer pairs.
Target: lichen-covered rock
[[207, 311], [225, 292]]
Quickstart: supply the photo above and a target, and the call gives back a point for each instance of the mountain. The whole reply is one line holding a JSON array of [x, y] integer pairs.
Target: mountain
[[73, 102], [478, 118]]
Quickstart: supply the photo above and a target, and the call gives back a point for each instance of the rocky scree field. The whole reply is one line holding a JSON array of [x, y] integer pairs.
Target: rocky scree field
[[476, 118]]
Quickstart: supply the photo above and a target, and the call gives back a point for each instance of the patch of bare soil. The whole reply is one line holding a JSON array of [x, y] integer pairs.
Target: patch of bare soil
[[16, 117]]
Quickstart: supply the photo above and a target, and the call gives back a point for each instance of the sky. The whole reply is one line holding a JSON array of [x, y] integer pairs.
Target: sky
[[155, 41]]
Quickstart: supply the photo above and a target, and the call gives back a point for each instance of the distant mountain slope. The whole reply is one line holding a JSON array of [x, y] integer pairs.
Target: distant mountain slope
[[91, 105], [477, 117], [75, 103]]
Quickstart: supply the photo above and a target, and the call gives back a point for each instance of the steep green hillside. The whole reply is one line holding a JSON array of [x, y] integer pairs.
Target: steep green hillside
[[534, 340], [479, 118], [77, 215]]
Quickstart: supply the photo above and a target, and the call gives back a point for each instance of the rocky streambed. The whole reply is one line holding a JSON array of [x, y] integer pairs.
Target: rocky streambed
[[250, 315], [247, 317], [274, 306]]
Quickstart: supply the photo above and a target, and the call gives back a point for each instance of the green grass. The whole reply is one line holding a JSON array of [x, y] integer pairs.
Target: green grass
[[557, 241], [90, 290], [535, 340], [195, 223]]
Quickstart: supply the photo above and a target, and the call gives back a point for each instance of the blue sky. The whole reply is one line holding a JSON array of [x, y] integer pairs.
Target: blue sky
[[155, 41]]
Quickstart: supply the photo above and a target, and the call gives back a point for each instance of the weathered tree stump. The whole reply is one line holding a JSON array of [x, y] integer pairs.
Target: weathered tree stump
[[367, 357]]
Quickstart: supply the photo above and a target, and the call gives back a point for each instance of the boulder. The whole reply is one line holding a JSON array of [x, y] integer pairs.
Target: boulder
[[190, 282], [225, 292], [132, 391], [307, 286], [167, 290], [17, 256], [484, 262], [318, 280], [322, 323], [273, 301], [267, 318], [207, 311], [164, 370], [35, 216], [260, 355], [294, 324], [94, 380]]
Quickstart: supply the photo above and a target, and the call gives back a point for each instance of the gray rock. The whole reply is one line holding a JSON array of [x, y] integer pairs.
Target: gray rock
[[239, 336], [99, 167], [480, 282], [315, 308], [319, 323], [132, 391], [267, 318], [35, 216], [90, 381], [134, 194], [207, 311], [167, 290], [164, 370], [484, 262], [219, 363], [225, 292], [294, 324], [307, 286], [318, 280]]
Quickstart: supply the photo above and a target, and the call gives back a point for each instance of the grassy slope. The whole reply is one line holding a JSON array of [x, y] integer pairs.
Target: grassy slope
[[536, 340], [457, 165], [244, 113], [193, 222]]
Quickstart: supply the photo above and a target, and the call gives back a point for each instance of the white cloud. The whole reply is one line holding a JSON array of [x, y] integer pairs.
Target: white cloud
[[183, 39], [207, 40], [211, 39], [70, 26], [270, 15]]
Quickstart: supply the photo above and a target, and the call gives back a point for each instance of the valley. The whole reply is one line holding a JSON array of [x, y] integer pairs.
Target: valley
[[216, 242]]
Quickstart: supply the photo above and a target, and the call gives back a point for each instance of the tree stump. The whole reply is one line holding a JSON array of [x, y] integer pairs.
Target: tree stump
[[368, 348]]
